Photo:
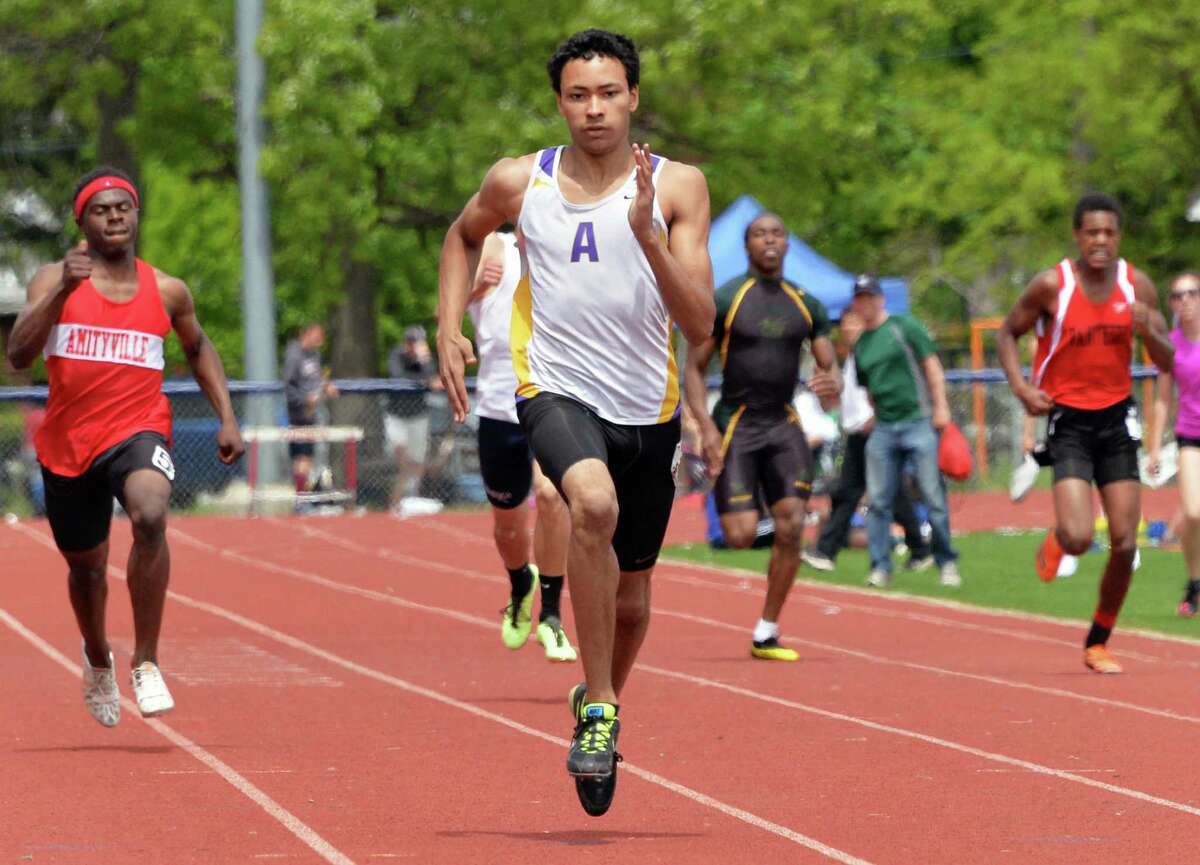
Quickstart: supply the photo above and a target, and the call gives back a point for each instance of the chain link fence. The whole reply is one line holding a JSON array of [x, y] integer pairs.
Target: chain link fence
[[406, 454]]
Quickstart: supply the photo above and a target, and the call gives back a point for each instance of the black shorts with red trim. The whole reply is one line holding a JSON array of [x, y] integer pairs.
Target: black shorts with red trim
[[766, 453]]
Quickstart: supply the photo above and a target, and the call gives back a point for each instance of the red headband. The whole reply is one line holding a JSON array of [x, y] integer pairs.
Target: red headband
[[108, 181]]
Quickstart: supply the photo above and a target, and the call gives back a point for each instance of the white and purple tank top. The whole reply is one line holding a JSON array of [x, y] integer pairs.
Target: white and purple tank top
[[588, 319]]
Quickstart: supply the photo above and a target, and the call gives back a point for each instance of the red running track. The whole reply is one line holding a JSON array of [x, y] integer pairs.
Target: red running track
[[343, 697]]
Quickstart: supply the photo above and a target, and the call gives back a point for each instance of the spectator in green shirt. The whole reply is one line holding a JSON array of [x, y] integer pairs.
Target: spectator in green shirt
[[897, 363]]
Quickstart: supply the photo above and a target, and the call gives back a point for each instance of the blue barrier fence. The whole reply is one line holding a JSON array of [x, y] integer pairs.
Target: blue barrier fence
[[447, 471]]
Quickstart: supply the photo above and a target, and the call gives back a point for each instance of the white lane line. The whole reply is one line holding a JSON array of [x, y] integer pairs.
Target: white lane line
[[712, 683], [1036, 768], [702, 620], [892, 596], [943, 671], [289, 821], [487, 714], [317, 579]]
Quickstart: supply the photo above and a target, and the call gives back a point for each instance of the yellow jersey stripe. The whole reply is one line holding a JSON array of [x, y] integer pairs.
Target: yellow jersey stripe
[[733, 308], [670, 401], [520, 331], [733, 422], [796, 295]]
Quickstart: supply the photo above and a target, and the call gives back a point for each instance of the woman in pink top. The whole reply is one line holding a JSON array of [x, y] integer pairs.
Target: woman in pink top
[[1185, 304]]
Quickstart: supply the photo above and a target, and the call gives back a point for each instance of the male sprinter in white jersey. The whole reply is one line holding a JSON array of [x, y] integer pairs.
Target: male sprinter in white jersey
[[507, 465], [615, 250]]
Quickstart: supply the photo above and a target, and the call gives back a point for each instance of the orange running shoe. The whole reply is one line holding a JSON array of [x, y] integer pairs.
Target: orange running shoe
[[1049, 557], [1097, 658]]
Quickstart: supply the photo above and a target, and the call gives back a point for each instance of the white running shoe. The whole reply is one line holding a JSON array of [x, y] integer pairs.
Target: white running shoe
[[100, 692], [1023, 478], [150, 690], [879, 579], [553, 638], [950, 575], [817, 561], [921, 563]]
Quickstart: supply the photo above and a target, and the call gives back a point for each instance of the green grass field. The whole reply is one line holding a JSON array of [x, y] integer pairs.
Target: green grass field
[[997, 572]]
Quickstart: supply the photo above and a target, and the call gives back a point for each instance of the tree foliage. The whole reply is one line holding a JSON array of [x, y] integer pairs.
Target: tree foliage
[[942, 140]]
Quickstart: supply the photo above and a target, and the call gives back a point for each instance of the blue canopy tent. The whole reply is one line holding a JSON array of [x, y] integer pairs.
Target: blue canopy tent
[[802, 265]]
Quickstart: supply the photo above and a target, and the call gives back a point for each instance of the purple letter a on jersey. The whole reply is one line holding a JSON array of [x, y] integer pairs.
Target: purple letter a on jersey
[[585, 243]]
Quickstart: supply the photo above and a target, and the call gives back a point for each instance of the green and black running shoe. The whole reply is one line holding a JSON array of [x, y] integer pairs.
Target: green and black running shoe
[[576, 698], [593, 757]]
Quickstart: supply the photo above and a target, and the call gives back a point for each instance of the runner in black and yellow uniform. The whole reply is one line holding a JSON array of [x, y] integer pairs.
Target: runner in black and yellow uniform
[[753, 442]]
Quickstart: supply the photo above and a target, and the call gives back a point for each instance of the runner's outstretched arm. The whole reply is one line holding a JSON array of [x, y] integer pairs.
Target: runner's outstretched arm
[[497, 201], [1038, 299], [680, 262], [695, 391], [48, 292], [206, 366], [1149, 324]]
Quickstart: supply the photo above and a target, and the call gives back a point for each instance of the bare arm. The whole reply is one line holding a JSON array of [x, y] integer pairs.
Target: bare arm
[[680, 263], [490, 269], [1028, 434], [497, 201], [1038, 299], [696, 392], [47, 292], [1150, 325], [826, 383], [936, 376], [1158, 418], [205, 363]]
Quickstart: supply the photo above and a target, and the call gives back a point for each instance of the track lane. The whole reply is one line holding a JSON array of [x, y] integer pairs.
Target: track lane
[[384, 570]]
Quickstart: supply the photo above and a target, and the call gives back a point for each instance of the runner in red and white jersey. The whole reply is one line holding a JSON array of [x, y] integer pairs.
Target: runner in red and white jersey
[[1087, 312], [100, 317]]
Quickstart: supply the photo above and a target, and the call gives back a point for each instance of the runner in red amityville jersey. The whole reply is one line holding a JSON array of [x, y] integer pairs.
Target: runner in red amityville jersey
[[1086, 313], [100, 317]]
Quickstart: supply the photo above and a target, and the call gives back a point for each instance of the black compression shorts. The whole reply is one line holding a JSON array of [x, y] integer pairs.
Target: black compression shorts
[[505, 461], [763, 450], [563, 432]]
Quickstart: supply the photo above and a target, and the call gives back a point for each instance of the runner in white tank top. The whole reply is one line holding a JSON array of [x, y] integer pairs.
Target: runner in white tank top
[[615, 247], [508, 470], [588, 320], [491, 314]]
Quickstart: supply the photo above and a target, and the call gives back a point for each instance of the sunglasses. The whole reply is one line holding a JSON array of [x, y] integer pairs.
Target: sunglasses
[[1191, 293]]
